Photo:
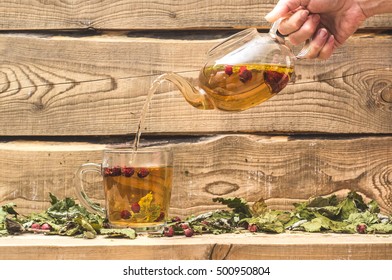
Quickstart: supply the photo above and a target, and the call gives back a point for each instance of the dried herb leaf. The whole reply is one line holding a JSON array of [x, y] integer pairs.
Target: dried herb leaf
[[13, 227], [259, 207], [126, 232], [323, 201], [380, 228], [239, 205], [348, 215]]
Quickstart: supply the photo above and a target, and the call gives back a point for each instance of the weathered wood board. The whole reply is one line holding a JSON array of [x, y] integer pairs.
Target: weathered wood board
[[288, 246], [281, 170], [138, 14], [97, 85]]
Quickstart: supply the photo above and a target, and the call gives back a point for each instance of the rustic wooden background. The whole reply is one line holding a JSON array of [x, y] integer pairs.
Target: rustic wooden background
[[74, 76]]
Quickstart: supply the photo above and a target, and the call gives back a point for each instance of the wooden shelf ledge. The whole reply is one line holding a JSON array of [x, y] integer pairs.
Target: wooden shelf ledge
[[287, 246]]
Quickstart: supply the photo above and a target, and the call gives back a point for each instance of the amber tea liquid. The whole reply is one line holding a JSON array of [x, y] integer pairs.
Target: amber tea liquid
[[137, 197], [239, 87]]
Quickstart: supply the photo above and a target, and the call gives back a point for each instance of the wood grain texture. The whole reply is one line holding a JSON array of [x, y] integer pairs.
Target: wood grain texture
[[280, 170], [97, 85], [138, 14], [294, 246]]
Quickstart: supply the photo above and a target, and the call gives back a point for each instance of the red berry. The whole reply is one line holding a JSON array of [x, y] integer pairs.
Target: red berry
[[361, 228], [243, 68], [46, 227], [176, 219], [116, 171], [205, 224], [184, 226], [168, 231], [135, 207], [275, 80], [188, 232], [252, 228], [128, 171], [245, 225], [229, 70], [35, 226], [107, 171], [143, 172], [245, 74], [125, 214], [161, 217]]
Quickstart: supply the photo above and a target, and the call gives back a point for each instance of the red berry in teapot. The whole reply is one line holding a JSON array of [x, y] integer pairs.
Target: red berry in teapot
[[276, 80], [245, 75], [228, 70]]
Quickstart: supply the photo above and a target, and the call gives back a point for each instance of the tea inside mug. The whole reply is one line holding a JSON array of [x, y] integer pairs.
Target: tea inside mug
[[137, 188], [137, 196]]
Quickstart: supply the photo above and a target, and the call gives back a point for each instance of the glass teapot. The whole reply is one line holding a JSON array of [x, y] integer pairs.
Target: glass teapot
[[241, 72]]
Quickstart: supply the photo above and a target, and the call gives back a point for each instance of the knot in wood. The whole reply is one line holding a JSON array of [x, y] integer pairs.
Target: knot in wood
[[221, 188], [172, 15], [386, 94], [382, 87]]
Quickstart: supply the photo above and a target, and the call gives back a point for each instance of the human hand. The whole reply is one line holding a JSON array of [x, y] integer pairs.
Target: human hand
[[328, 23]]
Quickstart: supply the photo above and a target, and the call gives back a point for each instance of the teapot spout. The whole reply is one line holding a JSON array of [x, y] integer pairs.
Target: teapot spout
[[196, 97]]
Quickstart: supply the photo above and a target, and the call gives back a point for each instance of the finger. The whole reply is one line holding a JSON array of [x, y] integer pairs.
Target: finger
[[282, 9], [328, 48], [306, 31], [318, 43], [294, 22]]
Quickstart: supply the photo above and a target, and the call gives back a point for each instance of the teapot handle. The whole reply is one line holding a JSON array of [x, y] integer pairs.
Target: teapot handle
[[276, 35]]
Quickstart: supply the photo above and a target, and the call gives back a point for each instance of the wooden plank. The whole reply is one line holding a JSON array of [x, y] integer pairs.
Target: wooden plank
[[65, 85], [288, 246], [137, 14], [54, 171], [280, 170]]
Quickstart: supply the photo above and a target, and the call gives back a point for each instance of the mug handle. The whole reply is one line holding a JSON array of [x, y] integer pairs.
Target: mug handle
[[79, 187], [276, 35]]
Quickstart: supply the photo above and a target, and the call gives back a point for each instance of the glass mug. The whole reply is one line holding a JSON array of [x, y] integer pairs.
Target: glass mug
[[137, 187]]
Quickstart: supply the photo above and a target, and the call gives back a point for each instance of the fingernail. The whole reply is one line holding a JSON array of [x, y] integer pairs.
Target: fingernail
[[268, 16], [331, 40], [304, 14], [322, 33], [315, 18]]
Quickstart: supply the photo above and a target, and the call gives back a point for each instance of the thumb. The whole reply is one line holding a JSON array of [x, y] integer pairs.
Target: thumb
[[282, 9]]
